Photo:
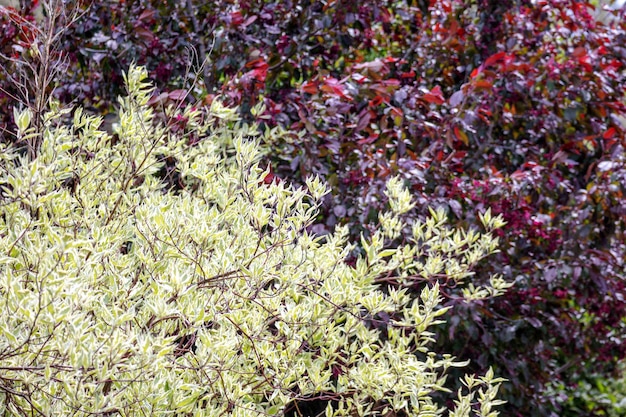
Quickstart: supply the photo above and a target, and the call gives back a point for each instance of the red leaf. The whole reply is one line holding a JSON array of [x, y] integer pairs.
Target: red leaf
[[585, 62], [433, 99], [270, 177], [436, 90], [434, 96], [249, 21], [332, 85], [483, 84], [391, 82], [257, 63], [309, 87], [177, 95], [259, 74], [609, 133], [147, 16], [376, 101], [385, 15], [158, 99], [260, 70], [359, 78], [144, 34], [370, 139], [495, 58], [611, 66], [363, 121], [484, 115], [461, 136], [608, 144], [501, 59], [236, 18]]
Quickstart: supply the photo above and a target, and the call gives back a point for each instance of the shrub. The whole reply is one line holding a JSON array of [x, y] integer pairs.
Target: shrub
[[598, 396], [123, 294], [515, 105]]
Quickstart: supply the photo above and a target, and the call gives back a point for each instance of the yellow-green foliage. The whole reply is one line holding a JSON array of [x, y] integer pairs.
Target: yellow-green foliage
[[120, 297]]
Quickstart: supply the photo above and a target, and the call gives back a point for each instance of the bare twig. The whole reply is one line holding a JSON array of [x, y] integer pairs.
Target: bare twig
[[36, 69]]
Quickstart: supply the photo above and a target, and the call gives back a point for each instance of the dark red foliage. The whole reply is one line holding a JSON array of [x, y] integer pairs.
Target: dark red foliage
[[516, 105]]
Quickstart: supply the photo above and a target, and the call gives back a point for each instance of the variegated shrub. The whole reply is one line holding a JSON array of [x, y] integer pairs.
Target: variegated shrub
[[120, 296]]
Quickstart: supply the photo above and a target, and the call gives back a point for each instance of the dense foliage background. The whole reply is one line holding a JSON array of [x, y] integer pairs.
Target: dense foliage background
[[516, 105]]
